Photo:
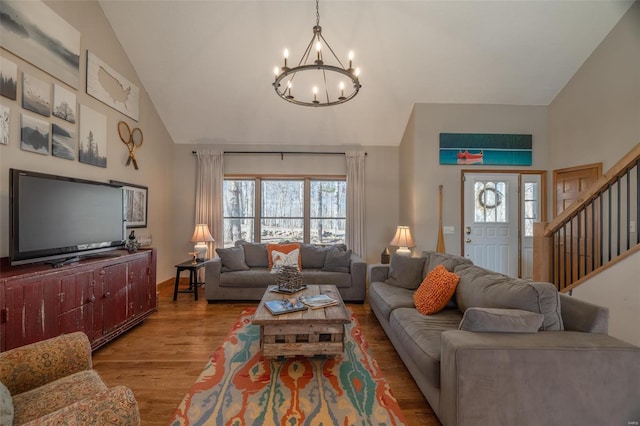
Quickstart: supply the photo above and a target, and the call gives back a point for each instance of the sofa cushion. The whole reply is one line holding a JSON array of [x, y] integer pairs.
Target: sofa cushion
[[449, 261], [255, 254], [386, 298], [276, 251], [405, 271], [481, 288], [254, 277], [6, 406], [313, 256], [420, 337], [436, 290], [55, 395], [318, 276], [337, 260], [491, 320], [232, 259]]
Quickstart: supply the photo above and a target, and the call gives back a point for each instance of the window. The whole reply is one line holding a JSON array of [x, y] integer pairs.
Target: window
[[490, 204], [274, 210], [530, 207]]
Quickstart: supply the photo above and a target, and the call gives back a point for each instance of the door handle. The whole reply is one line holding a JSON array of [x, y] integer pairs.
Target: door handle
[[467, 230], [468, 240]]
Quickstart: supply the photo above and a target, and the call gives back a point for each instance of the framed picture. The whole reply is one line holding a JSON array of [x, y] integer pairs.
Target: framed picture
[[38, 35], [63, 142], [136, 204], [5, 113], [34, 135], [36, 95], [64, 104], [92, 142], [109, 86], [8, 78], [486, 149]]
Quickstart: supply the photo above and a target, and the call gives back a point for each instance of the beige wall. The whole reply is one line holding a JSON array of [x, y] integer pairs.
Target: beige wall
[[381, 183], [596, 117], [427, 174], [154, 157]]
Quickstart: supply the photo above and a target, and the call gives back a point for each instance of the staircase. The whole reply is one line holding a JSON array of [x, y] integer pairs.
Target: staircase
[[595, 232]]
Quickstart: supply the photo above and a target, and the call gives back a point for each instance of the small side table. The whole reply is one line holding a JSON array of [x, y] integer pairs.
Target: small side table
[[193, 277]]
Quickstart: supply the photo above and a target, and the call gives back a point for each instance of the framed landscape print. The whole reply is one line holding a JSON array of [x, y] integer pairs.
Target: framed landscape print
[[64, 104], [8, 78], [92, 144], [34, 135], [36, 95], [31, 30], [136, 204], [109, 86], [5, 113], [63, 142]]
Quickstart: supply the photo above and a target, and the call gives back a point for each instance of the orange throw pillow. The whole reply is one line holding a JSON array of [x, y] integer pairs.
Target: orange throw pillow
[[283, 248], [435, 291]]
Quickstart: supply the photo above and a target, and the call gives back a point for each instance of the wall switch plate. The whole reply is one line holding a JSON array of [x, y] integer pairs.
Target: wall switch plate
[[632, 226], [448, 229]]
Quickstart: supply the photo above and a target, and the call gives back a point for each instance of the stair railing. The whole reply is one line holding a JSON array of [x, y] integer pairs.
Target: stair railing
[[597, 230]]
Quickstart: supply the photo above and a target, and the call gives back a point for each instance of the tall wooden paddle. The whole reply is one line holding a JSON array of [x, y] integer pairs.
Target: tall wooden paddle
[[440, 248]]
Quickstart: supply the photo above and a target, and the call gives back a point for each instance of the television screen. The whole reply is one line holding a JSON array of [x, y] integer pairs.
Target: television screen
[[55, 217]]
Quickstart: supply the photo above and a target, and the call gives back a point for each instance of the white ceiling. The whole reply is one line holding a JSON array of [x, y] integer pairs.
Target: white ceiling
[[208, 65]]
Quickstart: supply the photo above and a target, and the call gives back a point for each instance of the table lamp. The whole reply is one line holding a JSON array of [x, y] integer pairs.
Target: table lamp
[[403, 241], [201, 236]]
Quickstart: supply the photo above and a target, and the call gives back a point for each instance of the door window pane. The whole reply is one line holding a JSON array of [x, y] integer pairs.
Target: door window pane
[[530, 207], [490, 202]]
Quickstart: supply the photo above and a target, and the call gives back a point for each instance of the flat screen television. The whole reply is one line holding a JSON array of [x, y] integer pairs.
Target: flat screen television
[[58, 219]]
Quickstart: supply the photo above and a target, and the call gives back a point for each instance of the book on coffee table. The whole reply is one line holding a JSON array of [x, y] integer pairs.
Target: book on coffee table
[[318, 301], [284, 306]]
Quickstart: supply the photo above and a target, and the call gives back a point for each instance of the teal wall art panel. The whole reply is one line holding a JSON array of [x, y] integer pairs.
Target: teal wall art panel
[[486, 149]]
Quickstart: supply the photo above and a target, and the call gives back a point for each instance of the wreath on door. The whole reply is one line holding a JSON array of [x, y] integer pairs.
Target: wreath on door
[[488, 204]]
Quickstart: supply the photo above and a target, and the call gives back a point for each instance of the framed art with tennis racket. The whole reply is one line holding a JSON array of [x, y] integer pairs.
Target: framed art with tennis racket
[[136, 201]]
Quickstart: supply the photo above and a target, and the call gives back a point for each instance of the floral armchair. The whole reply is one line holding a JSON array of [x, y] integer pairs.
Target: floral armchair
[[52, 382]]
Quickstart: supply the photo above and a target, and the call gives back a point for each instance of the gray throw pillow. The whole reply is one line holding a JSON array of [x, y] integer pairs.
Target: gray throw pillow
[[405, 271], [312, 256], [232, 259], [337, 260], [6, 406], [255, 254], [492, 320]]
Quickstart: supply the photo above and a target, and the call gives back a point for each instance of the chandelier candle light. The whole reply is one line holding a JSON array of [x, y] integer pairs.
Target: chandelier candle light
[[325, 81]]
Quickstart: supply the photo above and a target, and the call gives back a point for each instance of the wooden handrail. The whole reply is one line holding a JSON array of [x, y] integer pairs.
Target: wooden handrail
[[590, 193]]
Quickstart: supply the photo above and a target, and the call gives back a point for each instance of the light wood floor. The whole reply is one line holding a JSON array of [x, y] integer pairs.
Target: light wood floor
[[161, 358]]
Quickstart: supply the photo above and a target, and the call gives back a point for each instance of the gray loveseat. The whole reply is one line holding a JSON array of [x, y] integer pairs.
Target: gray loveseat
[[571, 372], [228, 278]]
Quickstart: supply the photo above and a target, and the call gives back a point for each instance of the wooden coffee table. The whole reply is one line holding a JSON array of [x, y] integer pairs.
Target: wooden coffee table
[[310, 332]]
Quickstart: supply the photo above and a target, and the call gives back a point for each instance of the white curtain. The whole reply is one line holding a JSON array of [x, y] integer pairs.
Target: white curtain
[[209, 192], [356, 240]]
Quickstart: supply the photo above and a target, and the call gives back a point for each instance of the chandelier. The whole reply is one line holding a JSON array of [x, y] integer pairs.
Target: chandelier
[[320, 79]]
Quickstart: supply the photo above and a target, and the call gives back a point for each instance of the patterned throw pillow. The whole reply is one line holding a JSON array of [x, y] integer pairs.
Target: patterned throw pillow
[[435, 291], [284, 259], [283, 249]]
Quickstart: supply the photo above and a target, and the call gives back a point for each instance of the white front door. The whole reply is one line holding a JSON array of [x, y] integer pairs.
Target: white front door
[[491, 221]]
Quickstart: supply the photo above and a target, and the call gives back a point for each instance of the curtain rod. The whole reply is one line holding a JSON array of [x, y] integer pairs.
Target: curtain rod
[[282, 153]]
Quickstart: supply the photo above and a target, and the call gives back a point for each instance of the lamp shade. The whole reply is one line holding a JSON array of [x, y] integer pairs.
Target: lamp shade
[[201, 234], [403, 237]]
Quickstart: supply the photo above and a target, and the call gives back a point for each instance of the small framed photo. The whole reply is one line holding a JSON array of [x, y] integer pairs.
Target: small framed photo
[[36, 95], [136, 197]]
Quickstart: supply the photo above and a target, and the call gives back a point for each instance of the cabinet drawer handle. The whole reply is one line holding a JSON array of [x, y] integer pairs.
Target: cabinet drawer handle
[[107, 294], [92, 299]]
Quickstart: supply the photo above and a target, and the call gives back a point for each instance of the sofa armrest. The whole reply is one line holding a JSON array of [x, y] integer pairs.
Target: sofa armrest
[[551, 377], [31, 366], [378, 272], [115, 406], [358, 271], [578, 315], [212, 272]]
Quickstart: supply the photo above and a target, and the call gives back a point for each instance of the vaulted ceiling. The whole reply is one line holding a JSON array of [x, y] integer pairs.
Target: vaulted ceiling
[[208, 65]]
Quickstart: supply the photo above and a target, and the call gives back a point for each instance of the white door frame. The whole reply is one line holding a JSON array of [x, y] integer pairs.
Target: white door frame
[[542, 195]]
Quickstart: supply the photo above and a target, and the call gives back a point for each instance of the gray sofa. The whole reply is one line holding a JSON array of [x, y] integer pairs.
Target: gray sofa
[[228, 279], [570, 372]]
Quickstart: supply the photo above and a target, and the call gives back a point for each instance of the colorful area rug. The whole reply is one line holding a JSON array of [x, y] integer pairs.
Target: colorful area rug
[[240, 387]]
